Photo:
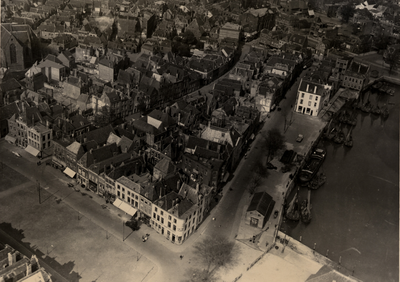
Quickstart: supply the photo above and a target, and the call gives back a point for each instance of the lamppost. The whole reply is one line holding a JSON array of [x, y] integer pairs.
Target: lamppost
[[123, 231], [38, 188]]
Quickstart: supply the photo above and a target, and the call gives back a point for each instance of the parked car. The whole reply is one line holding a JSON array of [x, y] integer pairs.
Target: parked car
[[299, 138], [276, 214], [271, 166], [17, 154], [70, 185]]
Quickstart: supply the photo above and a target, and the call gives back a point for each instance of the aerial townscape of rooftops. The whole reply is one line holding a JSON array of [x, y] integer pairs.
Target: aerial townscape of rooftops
[[152, 106]]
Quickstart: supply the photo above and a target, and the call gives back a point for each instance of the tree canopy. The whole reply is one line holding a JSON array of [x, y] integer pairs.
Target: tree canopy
[[214, 252], [347, 12], [274, 142], [393, 59]]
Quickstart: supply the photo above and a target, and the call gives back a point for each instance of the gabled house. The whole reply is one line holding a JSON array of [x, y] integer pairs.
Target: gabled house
[[259, 210]]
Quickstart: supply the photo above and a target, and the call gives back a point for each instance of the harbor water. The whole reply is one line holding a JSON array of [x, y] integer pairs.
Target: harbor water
[[355, 214]]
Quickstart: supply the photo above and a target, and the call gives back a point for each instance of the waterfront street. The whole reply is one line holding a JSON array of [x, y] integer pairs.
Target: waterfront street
[[355, 214]]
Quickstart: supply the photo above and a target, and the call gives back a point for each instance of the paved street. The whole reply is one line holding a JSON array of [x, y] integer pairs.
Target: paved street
[[165, 255]]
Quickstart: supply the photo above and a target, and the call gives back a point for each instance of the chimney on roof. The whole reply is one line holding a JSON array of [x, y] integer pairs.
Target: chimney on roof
[[308, 86], [28, 269], [91, 151], [315, 89], [33, 120], [12, 258], [209, 124], [197, 188]]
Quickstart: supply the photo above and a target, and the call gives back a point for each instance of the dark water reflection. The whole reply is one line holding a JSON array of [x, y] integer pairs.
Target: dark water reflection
[[356, 212]]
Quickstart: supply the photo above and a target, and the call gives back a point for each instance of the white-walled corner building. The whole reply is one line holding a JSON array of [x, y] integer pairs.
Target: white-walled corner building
[[177, 215], [312, 97]]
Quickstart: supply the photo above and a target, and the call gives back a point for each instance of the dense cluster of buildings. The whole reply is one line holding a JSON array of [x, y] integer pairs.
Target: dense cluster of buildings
[[115, 100], [17, 267]]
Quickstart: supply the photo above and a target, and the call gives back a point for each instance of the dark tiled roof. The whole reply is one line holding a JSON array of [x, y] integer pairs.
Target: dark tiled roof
[[261, 202], [100, 135]]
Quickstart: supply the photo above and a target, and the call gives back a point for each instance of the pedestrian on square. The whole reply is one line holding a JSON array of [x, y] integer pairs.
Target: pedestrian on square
[[181, 257]]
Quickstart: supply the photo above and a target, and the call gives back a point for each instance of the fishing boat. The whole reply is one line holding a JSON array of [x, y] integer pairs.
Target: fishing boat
[[385, 113], [317, 181], [292, 212], [343, 117], [306, 209], [352, 120], [311, 167], [339, 137], [366, 108], [326, 134], [331, 134], [349, 139]]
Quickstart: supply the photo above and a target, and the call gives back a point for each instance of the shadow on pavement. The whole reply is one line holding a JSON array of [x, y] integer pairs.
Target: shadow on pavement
[[63, 269]]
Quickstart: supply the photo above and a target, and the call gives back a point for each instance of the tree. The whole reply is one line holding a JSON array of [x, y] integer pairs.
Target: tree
[[214, 252], [381, 41], [275, 141], [393, 58], [254, 182], [347, 12]]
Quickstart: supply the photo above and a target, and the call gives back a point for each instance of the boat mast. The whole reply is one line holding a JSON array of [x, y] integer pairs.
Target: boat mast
[[291, 205], [309, 201]]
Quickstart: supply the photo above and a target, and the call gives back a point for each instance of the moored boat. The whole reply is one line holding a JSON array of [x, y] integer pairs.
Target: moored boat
[[385, 113], [349, 139], [306, 209], [339, 137], [317, 181], [311, 167], [292, 212]]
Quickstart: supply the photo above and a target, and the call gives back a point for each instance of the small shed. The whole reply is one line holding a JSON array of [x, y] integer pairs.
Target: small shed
[[259, 210]]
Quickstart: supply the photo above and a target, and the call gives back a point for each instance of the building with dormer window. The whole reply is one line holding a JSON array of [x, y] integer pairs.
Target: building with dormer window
[[312, 97]]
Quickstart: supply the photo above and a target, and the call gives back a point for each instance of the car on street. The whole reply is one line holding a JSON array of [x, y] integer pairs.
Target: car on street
[[271, 166], [276, 214], [299, 138], [245, 156], [17, 154]]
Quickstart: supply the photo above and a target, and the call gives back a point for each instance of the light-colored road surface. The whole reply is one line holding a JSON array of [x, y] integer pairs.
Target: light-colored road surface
[[165, 256]]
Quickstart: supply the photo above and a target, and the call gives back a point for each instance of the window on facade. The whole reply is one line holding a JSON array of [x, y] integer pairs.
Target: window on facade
[[169, 224], [316, 98], [155, 209], [123, 196], [162, 220], [302, 95], [315, 104], [158, 217], [44, 138], [13, 53], [129, 193], [123, 189], [310, 97], [154, 215], [174, 228], [174, 220], [48, 136], [119, 194], [169, 217], [301, 101], [129, 199], [309, 104], [162, 213], [136, 197], [118, 187]]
